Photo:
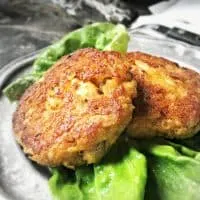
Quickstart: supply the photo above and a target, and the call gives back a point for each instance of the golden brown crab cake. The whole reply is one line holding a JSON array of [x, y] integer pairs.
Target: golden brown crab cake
[[78, 110], [168, 102]]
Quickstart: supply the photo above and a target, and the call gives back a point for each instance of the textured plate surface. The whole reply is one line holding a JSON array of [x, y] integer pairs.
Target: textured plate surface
[[20, 179]]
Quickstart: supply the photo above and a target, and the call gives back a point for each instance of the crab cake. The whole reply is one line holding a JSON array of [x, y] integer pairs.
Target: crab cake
[[168, 102], [78, 110]]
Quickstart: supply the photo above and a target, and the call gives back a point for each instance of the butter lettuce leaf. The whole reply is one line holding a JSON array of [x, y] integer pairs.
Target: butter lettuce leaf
[[121, 175], [63, 185], [14, 90], [173, 171], [193, 142], [103, 36]]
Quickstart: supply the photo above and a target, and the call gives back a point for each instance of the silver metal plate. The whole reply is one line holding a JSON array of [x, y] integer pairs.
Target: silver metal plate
[[21, 179]]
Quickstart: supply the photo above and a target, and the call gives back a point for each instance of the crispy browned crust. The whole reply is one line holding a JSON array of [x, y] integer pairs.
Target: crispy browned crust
[[168, 102], [78, 110]]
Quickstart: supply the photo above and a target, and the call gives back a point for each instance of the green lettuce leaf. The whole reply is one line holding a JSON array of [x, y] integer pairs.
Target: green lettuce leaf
[[103, 36], [173, 171], [121, 175], [193, 142]]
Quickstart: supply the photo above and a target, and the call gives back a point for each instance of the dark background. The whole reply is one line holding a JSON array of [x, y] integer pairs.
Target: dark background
[[28, 25]]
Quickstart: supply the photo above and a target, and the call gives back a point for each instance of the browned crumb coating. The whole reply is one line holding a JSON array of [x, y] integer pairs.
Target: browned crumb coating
[[168, 102], [85, 101], [78, 110]]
